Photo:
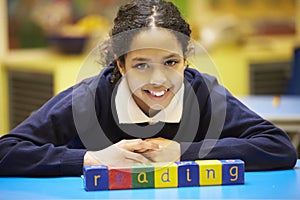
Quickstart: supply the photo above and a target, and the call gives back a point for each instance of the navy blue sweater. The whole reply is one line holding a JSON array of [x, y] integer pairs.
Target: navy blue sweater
[[214, 125]]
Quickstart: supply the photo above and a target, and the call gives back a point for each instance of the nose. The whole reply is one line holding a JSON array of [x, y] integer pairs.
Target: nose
[[158, 76]]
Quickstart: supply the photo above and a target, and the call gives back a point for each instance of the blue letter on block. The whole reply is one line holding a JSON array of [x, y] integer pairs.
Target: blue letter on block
[[95, 177], [233, 171], [188, 173]]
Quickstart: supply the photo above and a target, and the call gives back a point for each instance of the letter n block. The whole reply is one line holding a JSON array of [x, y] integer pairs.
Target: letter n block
[[210, 172], [142, 175], [165, 174], [233, 171], [95, 177], [188, 173], [119, 178]]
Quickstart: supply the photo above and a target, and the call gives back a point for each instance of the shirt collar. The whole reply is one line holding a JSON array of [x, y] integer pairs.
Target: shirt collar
[[129, 112]]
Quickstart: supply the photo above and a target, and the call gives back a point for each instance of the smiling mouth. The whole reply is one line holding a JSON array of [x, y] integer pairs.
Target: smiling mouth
[[157, 93]]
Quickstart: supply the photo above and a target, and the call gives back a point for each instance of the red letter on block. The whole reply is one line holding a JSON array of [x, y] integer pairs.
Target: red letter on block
[[120, 178]]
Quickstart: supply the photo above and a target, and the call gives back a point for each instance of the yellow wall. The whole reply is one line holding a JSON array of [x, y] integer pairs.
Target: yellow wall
[[64, 69], [232, 58]]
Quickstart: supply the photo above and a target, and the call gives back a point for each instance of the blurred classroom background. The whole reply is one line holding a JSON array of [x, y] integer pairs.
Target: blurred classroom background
[[44, 43]]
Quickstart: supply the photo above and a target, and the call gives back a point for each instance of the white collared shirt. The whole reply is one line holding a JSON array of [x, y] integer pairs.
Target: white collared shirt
[[129, 112]]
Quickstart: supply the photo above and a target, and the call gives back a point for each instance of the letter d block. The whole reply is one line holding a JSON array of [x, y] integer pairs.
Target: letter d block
[[233, 171], [95, 177], [120, 178], [165, 174], [188, 173], [210, 172], [142, 175]]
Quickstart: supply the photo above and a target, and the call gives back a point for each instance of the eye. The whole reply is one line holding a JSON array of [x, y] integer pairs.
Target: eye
[[171, 62], [141, 66]]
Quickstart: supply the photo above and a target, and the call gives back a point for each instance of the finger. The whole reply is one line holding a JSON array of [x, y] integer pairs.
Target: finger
[[159, 141], [139, 145], [136, 157], [130, 141]]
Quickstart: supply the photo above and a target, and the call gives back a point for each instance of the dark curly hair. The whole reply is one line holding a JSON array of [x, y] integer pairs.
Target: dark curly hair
[[132, 18]]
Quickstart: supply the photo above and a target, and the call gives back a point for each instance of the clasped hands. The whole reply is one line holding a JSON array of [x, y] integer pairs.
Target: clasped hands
[[131, 151]]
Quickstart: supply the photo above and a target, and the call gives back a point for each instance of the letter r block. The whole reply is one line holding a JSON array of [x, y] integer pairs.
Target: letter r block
[[210, 172], [188, 173], [165, 174], [233, 171], [142, 175], [95, 177], [120, 178]]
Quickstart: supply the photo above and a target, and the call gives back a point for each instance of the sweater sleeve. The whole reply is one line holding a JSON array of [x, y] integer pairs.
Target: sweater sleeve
[[39, 145], [243, 135]]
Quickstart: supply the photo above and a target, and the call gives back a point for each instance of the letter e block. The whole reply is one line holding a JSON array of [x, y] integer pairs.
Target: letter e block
[[95, 177], [210, 172], [233, 171], [142, 175], [188, 173], [119, 178], [165, 174]]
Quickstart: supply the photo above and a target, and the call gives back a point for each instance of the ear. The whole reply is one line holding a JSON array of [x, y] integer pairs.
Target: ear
[[185, 63], [119, 65]]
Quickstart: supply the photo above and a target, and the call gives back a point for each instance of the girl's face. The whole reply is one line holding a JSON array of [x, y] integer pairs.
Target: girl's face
[[154, 69]]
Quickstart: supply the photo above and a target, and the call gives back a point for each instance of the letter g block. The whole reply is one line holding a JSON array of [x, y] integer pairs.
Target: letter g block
[[233, 171]]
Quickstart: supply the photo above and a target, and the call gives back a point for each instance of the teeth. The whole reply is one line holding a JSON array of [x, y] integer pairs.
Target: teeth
[[158, 93]]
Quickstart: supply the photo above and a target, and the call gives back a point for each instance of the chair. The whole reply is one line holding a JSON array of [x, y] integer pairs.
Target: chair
[[294, 82]]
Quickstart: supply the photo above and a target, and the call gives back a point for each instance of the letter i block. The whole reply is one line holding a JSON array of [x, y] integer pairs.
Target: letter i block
[[165, 174], [95, 177], [210, 172], [119, 178], [142, 175], [188, 173], [233, 171]]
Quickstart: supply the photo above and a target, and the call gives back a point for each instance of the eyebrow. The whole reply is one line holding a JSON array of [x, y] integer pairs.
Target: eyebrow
[[141, 59], [138, 59], [171, 56]]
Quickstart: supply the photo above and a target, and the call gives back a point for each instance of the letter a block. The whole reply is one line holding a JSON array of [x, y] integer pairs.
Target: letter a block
[[210, 172], [95, 177], [233, 171], [165, 174], [188, 173], [119, 178], [142, 175]]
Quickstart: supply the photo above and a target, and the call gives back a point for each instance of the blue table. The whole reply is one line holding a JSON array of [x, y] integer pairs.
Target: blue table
[[283, 112], [282, 184]]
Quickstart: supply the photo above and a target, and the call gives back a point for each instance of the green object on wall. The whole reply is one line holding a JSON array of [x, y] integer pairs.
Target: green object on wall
[[183, 6]]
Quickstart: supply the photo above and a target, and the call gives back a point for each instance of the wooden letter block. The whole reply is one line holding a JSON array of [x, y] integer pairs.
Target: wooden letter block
[[95, 177], [120, 178], [188, 173], [210, 172], [142, 175], [233, 171], [165, 174]]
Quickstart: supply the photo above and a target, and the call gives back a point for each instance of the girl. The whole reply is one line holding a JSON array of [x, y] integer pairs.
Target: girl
[[146, 106]]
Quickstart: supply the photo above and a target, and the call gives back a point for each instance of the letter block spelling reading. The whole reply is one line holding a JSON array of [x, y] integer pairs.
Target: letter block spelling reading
[[142, 175], [210, 172], [95, 177], [119, 178], [232, 171], [164, 174], [188, 173]]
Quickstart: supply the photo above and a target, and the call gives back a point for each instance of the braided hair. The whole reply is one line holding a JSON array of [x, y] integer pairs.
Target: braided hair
[[134, 16]]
